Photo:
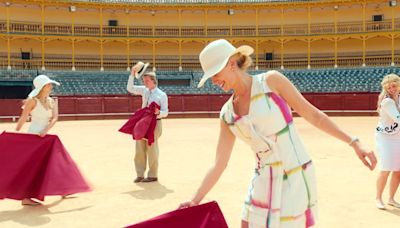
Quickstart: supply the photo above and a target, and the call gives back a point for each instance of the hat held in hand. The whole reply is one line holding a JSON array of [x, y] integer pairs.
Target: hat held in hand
[[140, 68]]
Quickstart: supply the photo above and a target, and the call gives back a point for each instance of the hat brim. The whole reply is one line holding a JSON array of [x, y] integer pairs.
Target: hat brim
[[36, 91], [244, 49], [140, 73]]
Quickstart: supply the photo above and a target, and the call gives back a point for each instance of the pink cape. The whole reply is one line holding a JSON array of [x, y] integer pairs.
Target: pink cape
[[207, 215], [35, 167]]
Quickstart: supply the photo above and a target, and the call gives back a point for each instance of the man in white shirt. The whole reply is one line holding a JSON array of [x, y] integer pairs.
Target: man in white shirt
[[150, 93]]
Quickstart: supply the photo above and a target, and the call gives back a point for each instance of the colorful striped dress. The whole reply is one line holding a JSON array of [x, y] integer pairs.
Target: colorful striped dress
[[282, 192]]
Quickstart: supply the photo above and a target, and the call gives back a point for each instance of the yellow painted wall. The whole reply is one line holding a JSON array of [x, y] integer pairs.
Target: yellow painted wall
[[3, 14], [349, 13], [325, 15], [379, 44], [296, 16], [323, 46], [269, 47], [192, 48], [381, 9], [141, 48], [270, 17], [118, 15], [166, 18], [167, 48], [58, 47], [114, 48], [349, 45], [193, 18], [218, 18], [26, 45], [397, 44], [3, 46], [244, 18], [87, 48], [87, 17], [57, 15], [396, 12], [141, 18], [296, 47], [28, 13]]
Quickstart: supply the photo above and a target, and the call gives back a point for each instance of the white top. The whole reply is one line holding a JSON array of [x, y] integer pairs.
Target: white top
[[389, 117], [148, 96], [40, 116]]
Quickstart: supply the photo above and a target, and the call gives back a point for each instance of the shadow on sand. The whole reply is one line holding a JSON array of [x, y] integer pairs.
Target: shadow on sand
[[34, 215], [150, 191], [393, 210]]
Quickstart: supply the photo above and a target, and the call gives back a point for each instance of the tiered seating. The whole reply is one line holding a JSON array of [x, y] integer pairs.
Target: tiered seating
[[114, 82]]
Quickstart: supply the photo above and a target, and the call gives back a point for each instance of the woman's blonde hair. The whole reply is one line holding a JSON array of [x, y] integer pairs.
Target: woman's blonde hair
[[50, 99], [243, 61], [386, 81]]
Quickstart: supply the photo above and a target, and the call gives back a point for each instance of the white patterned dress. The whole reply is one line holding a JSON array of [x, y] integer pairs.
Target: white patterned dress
[[282, 192]]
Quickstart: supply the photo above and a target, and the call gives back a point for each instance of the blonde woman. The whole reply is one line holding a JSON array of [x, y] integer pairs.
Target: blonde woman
[[388, 139], [43, 111], [282, 192]]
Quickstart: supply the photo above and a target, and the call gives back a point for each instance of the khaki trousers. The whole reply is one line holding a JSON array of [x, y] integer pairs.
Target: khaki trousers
[[148, 154]]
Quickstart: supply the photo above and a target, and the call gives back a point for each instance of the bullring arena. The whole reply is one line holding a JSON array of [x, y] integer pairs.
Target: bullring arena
[[335, 52], [346, 189]]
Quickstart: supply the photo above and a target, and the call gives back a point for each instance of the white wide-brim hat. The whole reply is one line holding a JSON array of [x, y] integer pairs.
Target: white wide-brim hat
[[141, 69], [39, 82], [215, 56]]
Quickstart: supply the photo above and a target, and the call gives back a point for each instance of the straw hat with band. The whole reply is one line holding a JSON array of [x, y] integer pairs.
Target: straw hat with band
[[215, 56], [141, 69]]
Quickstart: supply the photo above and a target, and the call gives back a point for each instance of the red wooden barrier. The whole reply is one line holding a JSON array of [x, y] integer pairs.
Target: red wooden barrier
[[117, 105], [67, 105], [194, 103], [329, 101], [10, 107], [356, 102]]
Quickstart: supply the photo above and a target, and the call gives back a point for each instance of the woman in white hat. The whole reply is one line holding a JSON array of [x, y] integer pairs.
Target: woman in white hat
[[282, 192], [43, 110]]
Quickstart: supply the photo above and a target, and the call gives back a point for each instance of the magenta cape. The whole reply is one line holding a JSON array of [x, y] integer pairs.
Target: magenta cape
[[207, 215], [142, 123], [35, 167]]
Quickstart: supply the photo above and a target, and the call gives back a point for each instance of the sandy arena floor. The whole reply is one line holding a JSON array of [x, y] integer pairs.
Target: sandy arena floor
[[346, 189]]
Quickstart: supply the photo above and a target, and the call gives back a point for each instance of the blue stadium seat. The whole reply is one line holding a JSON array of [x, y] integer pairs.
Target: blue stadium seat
[[366, 79]]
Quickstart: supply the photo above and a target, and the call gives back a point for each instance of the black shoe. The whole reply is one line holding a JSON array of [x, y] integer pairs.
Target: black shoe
[[150, 179], [138, 179]]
